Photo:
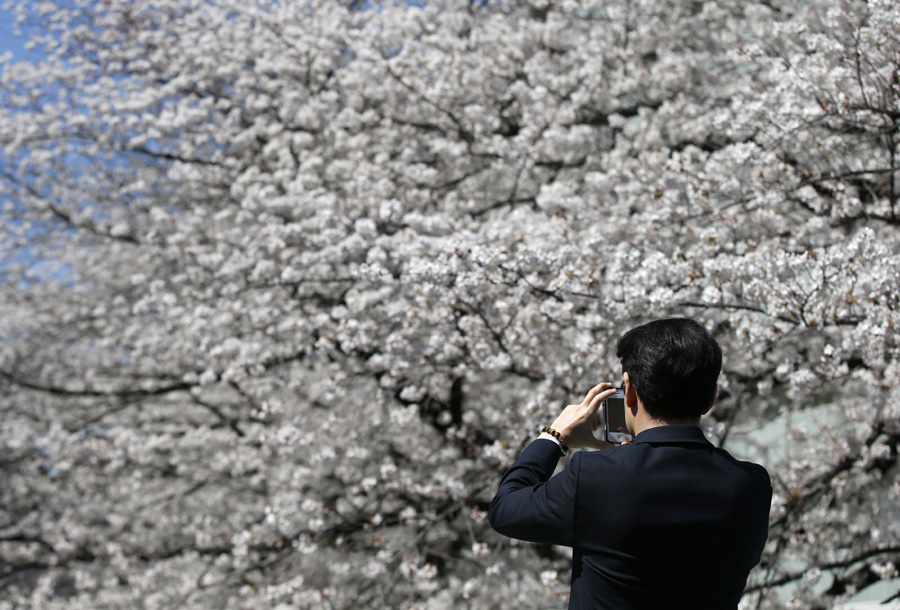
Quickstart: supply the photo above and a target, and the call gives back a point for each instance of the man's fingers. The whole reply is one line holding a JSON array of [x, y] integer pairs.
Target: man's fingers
[[595, 401], [597, 390]]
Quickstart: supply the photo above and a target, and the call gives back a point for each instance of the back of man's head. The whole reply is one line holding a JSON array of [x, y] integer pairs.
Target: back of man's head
[[674, 365]]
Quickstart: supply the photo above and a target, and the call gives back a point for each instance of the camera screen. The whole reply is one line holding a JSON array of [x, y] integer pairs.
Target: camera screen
[[615, 414]]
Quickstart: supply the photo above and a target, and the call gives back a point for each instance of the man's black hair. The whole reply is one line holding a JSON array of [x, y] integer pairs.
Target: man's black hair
[[674, 365]]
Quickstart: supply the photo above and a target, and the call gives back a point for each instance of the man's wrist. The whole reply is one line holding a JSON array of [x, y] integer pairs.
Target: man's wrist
[[548, 437], [553, 435]]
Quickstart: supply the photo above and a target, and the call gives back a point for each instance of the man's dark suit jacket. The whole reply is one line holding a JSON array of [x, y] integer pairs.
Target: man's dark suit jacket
[[668, 522]]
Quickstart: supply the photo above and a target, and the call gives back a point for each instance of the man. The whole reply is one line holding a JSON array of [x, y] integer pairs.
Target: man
[[667, 522]]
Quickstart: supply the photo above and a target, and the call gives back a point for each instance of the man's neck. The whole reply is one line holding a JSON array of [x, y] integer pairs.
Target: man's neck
[[644, 422]]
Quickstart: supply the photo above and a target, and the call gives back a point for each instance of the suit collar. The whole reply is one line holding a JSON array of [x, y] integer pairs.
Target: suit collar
[[672, 434]]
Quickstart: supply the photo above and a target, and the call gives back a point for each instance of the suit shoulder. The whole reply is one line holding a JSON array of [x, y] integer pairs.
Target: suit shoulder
[[602, 458], [755, 471]]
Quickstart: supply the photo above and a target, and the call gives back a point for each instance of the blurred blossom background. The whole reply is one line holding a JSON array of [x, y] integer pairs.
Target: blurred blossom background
[[286, 285]]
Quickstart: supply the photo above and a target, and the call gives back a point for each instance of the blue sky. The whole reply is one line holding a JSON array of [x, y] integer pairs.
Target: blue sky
[[40, 268], [8, 42]]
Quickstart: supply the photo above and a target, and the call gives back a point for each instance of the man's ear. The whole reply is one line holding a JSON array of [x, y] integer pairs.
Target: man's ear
[[631, 398]]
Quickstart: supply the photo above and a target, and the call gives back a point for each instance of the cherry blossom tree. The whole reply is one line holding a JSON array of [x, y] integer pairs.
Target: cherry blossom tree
[[287, 285]]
